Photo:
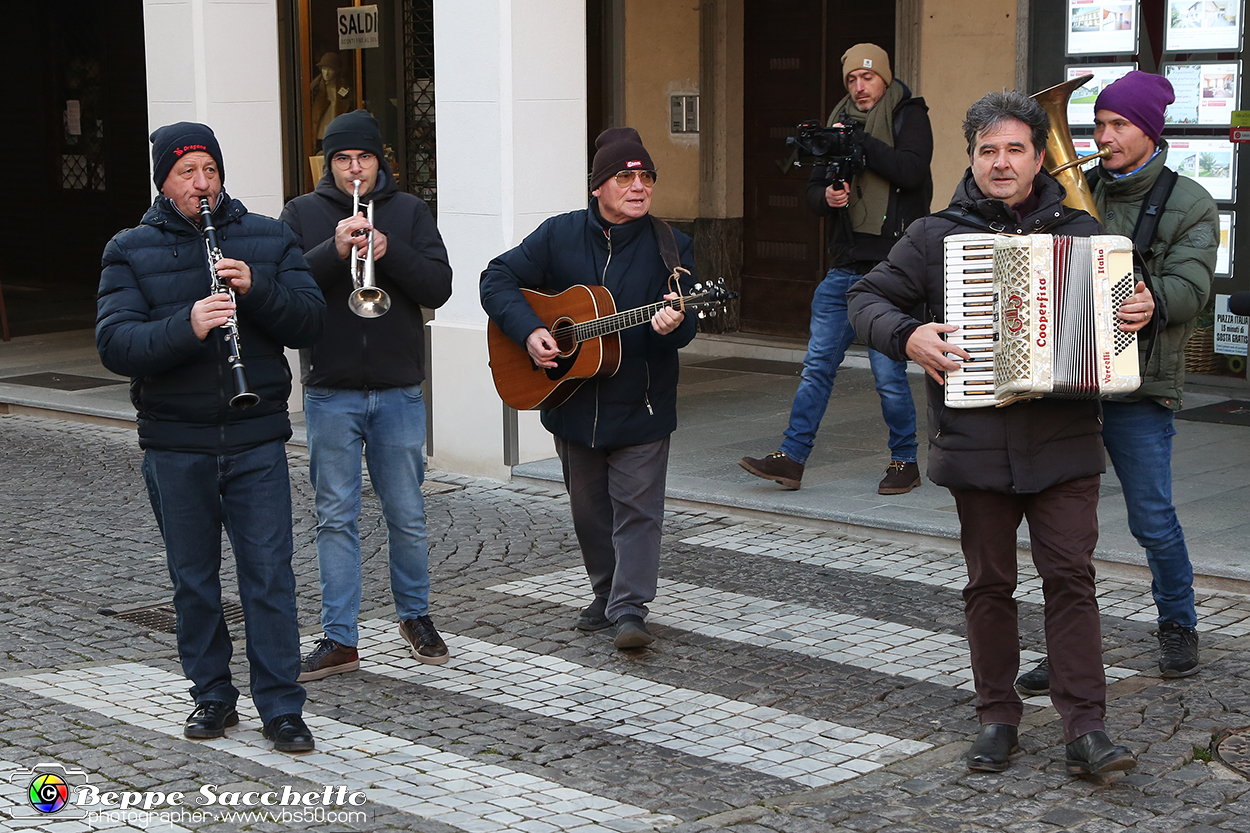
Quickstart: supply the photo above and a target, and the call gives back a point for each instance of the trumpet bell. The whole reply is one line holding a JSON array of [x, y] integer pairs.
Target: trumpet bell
[[369, 302]]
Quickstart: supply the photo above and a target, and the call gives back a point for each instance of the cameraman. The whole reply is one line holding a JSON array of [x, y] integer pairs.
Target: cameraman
[[868, 214]]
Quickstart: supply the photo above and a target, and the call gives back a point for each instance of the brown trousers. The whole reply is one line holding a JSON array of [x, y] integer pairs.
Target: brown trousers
[[1063, 529]]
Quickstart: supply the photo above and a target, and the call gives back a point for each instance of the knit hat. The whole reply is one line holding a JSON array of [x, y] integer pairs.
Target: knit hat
[[618, 149], [1141, 97], [866, 56], [357, 130], [173, 140]]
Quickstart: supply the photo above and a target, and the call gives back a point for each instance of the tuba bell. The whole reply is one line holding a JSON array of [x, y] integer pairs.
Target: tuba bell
[[1059, 148]]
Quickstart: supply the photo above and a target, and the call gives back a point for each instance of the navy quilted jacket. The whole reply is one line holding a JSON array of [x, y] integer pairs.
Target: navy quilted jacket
[[181, 386]]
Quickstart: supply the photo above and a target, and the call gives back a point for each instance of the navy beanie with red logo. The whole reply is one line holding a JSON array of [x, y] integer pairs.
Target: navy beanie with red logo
[[618, 149], [173, 140]]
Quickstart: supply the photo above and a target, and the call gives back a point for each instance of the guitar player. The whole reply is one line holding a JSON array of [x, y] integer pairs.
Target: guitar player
[[612, 434]]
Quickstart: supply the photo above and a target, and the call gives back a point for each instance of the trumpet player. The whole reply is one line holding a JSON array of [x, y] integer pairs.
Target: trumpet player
[[208, 465], [362, 383]]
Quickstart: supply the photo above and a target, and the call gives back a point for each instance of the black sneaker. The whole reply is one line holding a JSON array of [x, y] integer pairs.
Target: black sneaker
[[427, 645], [631, 632], [1036, 682], [594, 617], [328, 657], [1178, 650]]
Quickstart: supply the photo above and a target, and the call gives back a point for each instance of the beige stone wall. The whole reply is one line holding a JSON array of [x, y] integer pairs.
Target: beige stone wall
[[967, 49], [662, 59]]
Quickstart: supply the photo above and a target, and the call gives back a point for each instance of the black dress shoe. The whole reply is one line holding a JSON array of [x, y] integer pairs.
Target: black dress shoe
[[594, 617], [991, 751], [631, 632], [209, 720], [289, 734], [1093, 753]]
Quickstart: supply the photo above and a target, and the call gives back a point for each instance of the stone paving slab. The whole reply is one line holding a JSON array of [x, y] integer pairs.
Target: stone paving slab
[[526, 700]]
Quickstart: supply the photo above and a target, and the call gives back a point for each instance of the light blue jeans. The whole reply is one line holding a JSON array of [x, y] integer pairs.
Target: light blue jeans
[[389, 425], [1138, 437], [831, 335]]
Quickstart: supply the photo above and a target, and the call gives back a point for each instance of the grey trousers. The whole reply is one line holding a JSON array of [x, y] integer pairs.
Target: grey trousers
[[617, 498]]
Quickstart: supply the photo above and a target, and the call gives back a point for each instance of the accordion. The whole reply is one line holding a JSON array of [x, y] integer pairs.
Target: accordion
[[1037, 313]]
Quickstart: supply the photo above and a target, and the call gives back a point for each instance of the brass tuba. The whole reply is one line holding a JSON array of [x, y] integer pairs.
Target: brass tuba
[[1059, 149]]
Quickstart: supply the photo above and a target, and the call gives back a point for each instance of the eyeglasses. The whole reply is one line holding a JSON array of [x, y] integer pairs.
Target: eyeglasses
[[342, 161], [625, 179]]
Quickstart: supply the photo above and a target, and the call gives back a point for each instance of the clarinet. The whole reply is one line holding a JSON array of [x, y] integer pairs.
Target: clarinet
[[243, 398]]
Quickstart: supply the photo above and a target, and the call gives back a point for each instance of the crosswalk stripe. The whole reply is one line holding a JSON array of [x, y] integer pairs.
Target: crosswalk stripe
[[426, 782], [874, 644], [768, 740], [1124, 599]]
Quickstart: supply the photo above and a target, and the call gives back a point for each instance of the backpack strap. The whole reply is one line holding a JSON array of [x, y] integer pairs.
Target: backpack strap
[[1143, 237]]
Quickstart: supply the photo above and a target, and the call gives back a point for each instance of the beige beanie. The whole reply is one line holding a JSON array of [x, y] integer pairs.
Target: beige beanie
[[866, 56]]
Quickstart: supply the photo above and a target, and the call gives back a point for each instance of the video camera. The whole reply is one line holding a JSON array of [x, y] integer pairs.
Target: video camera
[[840, 149]]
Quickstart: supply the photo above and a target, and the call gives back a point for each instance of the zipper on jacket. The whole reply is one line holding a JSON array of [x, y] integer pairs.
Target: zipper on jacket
[[646, 394], [603, 281]]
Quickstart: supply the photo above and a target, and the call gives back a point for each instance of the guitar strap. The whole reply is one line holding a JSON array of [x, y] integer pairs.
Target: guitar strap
[[672, 259]]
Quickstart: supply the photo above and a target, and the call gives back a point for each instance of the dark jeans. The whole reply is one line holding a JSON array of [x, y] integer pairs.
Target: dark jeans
[[249, 494], [1063, 529], [617, 498]]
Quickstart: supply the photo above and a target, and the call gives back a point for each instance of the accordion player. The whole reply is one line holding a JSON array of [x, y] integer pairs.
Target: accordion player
[[1037, 313]]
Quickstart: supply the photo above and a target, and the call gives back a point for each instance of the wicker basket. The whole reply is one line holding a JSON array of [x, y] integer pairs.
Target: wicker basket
[[1200, 352]]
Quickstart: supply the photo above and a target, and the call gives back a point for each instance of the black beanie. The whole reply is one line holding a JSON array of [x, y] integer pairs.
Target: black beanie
[[357, 130], [618, 149], [173, 140]]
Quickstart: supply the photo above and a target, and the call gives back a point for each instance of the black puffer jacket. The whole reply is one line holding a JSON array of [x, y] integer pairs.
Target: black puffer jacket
[[389, 351], [1023, 448], [181, 386], [639, 403], [905, 166]]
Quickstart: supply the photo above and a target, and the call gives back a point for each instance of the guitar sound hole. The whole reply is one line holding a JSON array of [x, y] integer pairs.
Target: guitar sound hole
[[562, 331]]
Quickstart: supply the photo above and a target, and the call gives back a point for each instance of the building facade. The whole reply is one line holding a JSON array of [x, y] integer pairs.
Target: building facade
[[489, 109]]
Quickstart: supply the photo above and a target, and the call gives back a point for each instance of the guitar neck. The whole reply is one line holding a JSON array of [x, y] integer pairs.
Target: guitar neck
[[622, 320]]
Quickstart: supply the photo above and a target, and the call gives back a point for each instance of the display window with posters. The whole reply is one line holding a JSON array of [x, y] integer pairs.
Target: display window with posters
[[346, 55]]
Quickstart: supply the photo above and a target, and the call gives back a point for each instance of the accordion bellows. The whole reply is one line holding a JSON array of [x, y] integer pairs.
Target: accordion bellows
[[1037, 313]]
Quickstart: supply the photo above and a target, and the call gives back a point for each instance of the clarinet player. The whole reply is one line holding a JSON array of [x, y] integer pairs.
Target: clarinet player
[[209, 465]]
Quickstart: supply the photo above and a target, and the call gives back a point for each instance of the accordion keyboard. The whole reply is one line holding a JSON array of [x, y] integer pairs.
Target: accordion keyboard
[[969, 305]]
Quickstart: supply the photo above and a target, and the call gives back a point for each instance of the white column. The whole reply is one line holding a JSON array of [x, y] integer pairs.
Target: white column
[[216, 62], [510, 92]]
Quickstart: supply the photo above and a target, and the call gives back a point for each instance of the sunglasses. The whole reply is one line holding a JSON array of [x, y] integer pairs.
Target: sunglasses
[[625, 179]]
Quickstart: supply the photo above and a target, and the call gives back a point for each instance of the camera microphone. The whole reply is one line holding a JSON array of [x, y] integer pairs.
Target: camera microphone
[[1239, 303]]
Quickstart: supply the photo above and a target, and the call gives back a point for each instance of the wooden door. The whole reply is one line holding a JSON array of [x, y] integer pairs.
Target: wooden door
[[793, 55]]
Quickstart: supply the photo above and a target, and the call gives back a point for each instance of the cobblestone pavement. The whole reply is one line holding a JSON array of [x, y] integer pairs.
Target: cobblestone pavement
[[802, 681]]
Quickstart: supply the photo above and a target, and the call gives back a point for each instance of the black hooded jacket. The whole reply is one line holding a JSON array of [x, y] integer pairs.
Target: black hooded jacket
[[905, 166], [371, 353], [1022, 448]]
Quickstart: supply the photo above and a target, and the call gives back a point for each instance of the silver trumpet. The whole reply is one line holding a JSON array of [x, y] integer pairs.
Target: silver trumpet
[[366, 299], [243, 398]]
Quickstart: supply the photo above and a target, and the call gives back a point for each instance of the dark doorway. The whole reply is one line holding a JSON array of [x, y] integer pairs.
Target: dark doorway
[[81, 136], [793, 55]]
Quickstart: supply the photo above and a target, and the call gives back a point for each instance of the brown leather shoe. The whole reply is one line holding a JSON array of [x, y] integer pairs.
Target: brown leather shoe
[[427, 645], [328, 657], [900, 478], [776, 467]]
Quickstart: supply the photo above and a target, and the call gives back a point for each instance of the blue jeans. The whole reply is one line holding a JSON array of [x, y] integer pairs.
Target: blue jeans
[[831, 335], [193, 496], [389, 425], [1138, 436]]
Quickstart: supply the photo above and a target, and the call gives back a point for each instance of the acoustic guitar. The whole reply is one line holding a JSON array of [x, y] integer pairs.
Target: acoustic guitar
[[586, 327]]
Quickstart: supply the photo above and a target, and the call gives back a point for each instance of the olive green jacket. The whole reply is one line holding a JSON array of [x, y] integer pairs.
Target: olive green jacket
[[1181, 263]]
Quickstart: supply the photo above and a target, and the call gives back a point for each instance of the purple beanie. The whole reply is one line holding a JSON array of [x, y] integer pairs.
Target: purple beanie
[[1141, 97]]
